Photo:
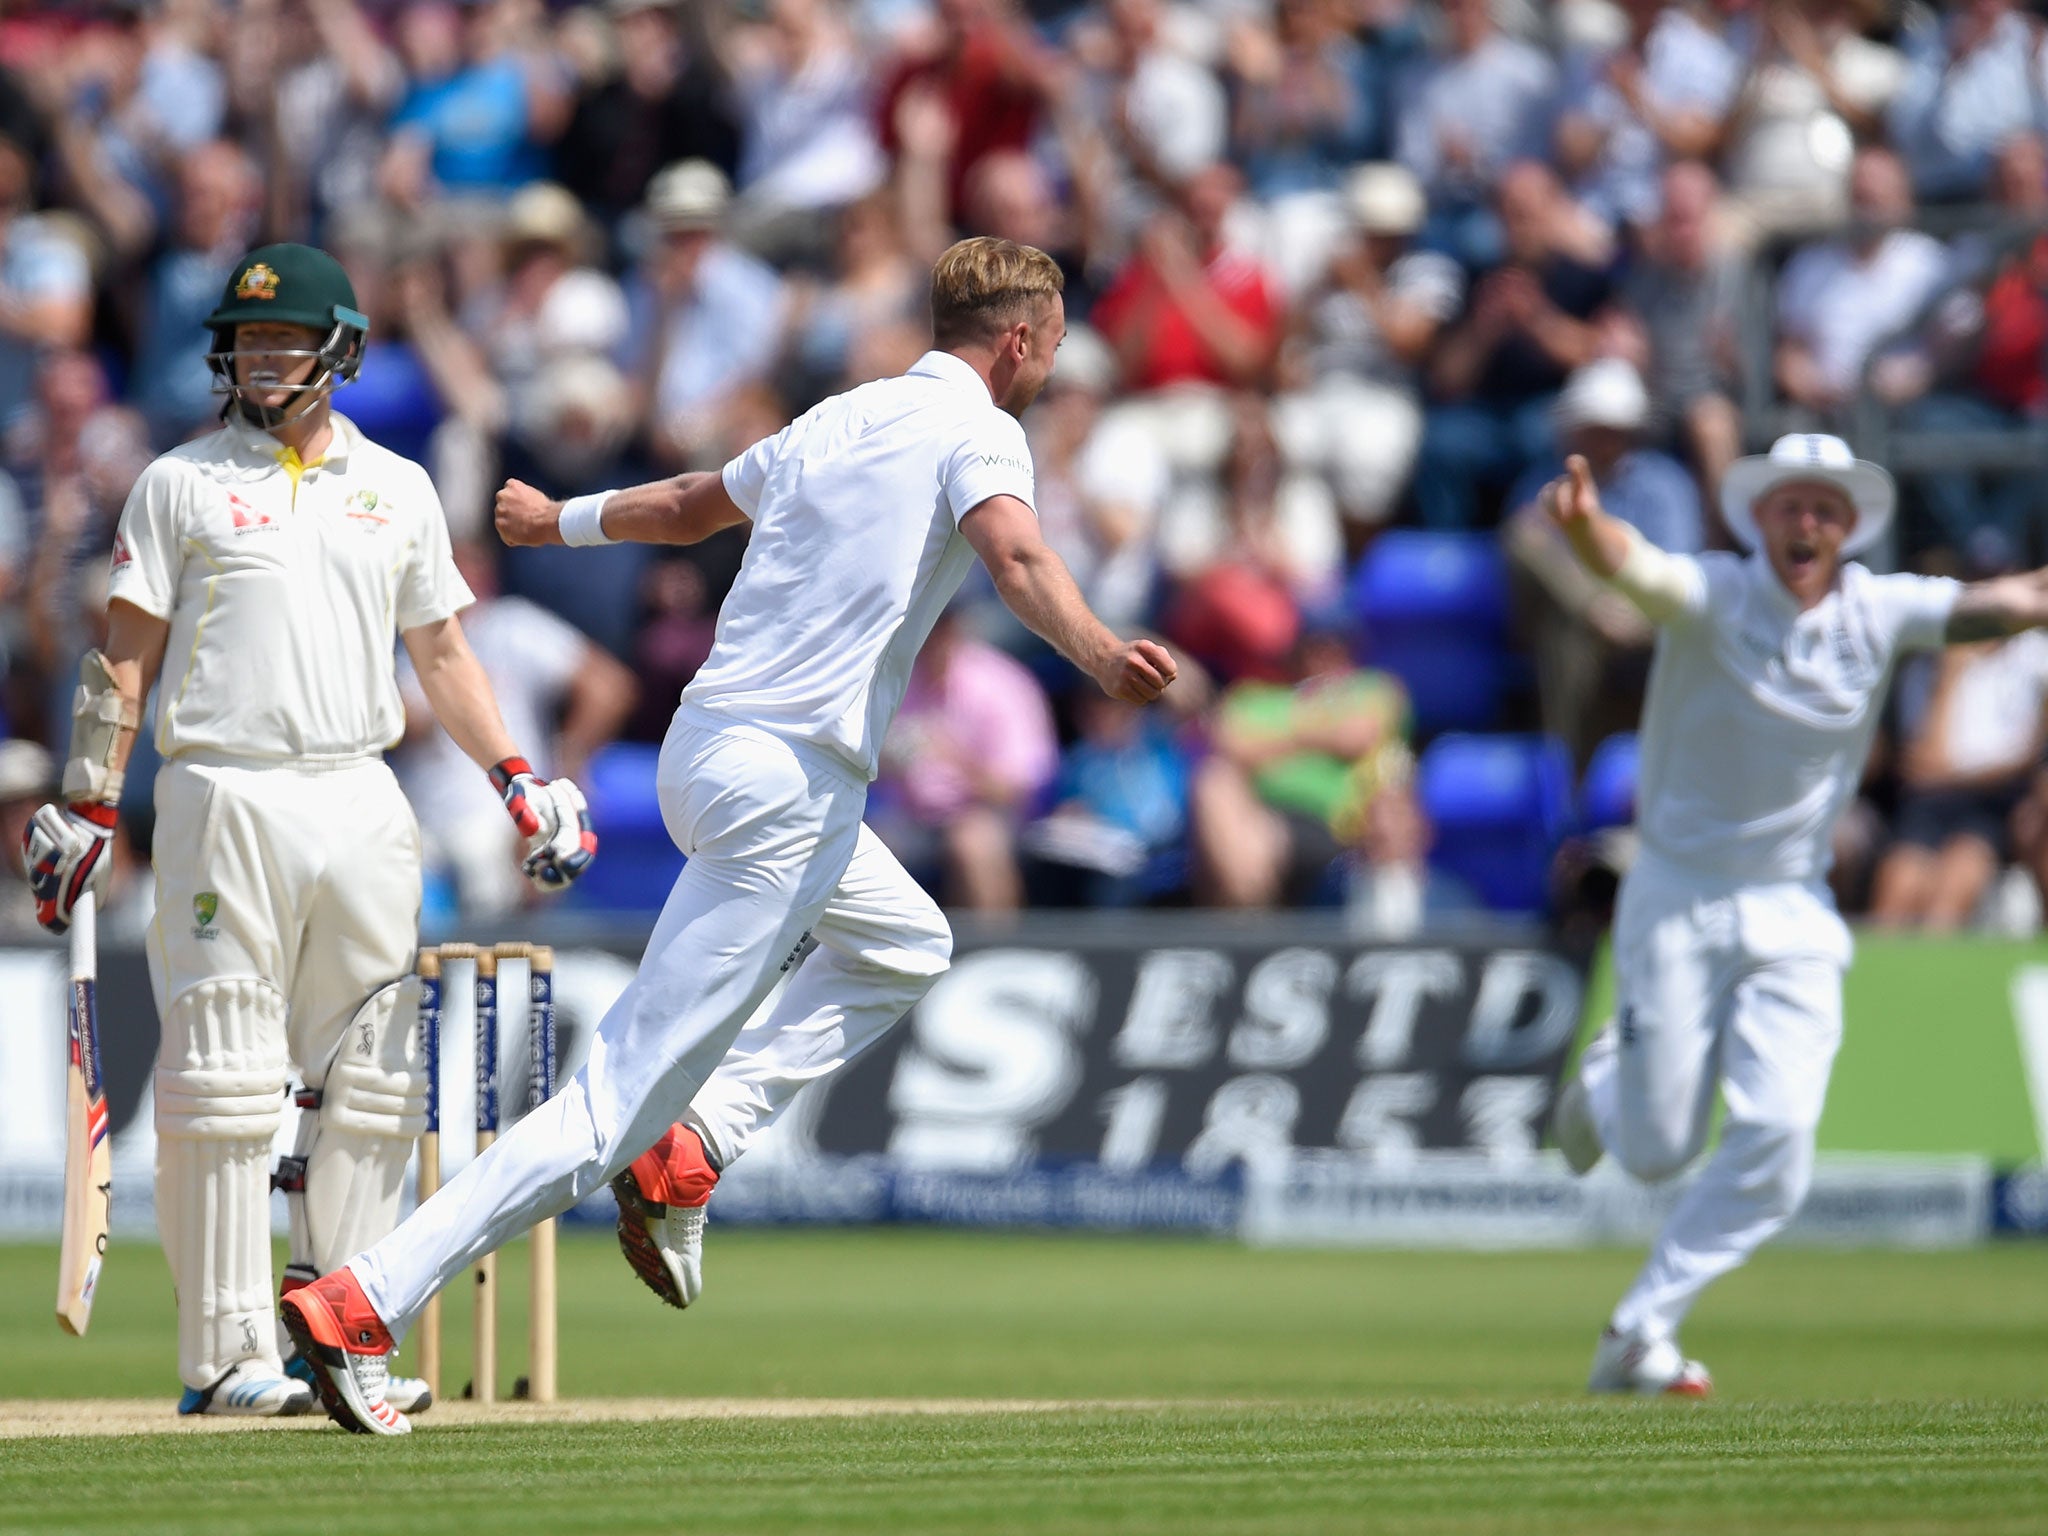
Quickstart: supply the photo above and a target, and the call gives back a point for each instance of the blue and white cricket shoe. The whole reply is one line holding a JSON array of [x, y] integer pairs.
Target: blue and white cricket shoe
[[252, 1389]]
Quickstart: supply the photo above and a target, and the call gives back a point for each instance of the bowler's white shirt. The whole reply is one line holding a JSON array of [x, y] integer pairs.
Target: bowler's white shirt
[[284, 595], [856, 548], [1759, 716]]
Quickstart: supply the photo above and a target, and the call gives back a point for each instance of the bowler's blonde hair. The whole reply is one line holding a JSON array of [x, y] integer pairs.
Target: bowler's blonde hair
[[985, 285]]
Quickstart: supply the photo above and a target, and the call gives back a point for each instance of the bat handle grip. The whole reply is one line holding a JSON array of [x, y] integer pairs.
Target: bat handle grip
[[85, 938]]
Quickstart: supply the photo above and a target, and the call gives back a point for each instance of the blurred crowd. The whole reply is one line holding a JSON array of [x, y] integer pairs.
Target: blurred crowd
[[1334, 267]]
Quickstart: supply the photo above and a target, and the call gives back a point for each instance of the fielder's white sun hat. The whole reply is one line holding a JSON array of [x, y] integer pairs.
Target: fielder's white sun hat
[[1809, 456]]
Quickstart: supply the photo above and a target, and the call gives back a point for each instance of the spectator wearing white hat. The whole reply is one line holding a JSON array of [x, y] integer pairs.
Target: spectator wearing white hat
[[708, 318], [1352, 411], [1592, 647]]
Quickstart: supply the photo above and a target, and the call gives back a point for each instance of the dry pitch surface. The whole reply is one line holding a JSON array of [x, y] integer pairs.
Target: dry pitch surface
[[96, 1417], [911, 1382]]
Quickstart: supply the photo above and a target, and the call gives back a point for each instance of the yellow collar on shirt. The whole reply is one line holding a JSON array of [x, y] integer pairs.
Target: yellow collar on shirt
[[288, 458]]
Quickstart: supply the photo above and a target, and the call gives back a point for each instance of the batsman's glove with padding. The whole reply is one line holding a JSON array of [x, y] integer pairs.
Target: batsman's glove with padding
[[64, 849], [553, 817]]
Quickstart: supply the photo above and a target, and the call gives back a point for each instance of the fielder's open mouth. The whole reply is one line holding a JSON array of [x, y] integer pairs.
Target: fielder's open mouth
[[1800, 555]]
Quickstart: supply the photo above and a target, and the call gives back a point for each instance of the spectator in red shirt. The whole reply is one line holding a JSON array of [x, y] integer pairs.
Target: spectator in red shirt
[[990, 74], [1188, 309]]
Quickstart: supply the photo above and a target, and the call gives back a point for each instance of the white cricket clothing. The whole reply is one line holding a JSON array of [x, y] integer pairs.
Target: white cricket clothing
[[299, 884], [284, 589], [777, 850], [855, 549], [287, 861], [1729, 990], [307, 878], [1728, 950], [1759, 716]]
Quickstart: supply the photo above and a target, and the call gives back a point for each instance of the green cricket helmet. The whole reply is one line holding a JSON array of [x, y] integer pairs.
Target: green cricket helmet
[[288, 284]]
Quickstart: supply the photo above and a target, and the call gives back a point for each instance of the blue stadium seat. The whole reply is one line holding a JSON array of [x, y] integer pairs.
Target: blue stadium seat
[[1500, 805], [1607, 794], [1434, 610], [636, 862]]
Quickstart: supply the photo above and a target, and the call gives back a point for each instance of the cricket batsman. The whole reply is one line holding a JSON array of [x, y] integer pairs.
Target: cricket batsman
[[259, 573], [1769, 677], [866, 513]]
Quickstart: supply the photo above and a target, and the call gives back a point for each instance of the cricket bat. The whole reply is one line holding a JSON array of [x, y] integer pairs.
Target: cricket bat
[[88, 1153]]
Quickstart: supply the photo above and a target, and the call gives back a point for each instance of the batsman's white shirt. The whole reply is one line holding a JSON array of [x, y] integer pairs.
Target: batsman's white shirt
[[284, 587], [1759, 716], [856, 547]]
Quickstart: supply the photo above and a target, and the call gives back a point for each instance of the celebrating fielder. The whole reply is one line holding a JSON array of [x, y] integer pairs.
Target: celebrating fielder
[[1769, 677], [866, 513], [263, 569]]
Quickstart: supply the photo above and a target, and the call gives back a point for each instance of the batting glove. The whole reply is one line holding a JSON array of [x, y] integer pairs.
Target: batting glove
[[553, 817], [64, 849]]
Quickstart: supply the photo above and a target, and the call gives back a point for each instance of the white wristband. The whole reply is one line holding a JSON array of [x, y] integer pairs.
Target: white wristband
[[582, 522]]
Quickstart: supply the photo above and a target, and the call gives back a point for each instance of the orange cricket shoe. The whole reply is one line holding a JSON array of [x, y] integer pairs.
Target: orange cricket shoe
[[661, 1214], [341, 1336]]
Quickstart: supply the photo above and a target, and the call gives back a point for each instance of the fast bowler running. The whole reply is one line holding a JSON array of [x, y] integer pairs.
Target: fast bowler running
[[866, 513], [263, 570], [1769, 677]]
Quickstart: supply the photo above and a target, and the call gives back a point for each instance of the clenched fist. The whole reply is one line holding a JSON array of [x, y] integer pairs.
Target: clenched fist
[[1137, 672], [526, 517]]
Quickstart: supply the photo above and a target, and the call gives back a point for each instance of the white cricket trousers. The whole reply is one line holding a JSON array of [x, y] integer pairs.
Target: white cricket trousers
[[1731, 988], [286, 894], [777, 851]]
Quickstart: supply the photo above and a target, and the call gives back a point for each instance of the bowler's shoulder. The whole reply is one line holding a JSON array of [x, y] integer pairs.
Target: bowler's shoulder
[[990, 423]]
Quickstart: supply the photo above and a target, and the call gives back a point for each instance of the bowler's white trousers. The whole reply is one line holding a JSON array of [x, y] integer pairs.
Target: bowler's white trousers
[[1735, 988], [777, 851]]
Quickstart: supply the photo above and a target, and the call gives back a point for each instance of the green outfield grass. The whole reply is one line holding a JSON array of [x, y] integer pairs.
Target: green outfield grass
[[1298, 1392]]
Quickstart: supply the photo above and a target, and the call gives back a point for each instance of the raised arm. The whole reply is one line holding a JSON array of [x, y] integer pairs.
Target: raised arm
[[680, 510], [2003, 605], [1661, 585], [1035, 584]]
